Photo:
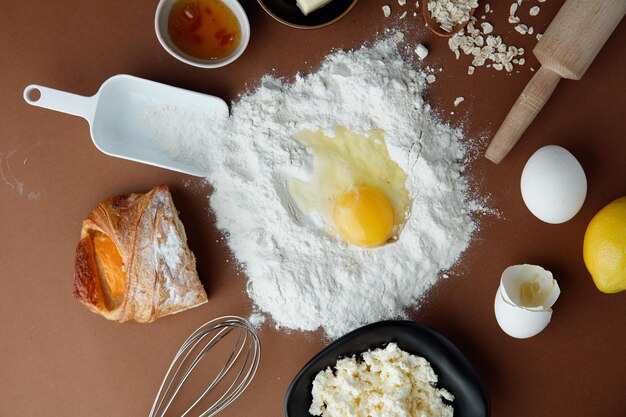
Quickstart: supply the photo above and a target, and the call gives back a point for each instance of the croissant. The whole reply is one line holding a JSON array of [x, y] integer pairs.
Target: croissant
[[133, 262]]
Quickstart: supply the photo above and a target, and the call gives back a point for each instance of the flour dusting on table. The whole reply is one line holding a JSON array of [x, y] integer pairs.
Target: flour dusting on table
[[298, 274]]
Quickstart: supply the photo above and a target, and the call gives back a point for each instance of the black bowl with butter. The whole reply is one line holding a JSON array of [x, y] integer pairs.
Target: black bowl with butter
[[454, 371], [288, 13]]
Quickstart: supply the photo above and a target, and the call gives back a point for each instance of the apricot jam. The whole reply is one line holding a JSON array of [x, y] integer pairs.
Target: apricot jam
[[204, 29], [111, 266]]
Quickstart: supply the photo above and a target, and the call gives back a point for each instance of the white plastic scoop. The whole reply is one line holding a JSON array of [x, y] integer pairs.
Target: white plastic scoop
[[115, 117]]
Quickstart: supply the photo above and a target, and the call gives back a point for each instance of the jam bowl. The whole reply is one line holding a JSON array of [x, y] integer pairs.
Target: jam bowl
[[202, 33]]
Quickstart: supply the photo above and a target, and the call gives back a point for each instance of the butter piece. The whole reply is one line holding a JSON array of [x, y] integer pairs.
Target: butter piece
[[308, 6]]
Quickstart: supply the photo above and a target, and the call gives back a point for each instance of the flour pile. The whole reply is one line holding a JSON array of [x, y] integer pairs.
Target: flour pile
[[299, 275]]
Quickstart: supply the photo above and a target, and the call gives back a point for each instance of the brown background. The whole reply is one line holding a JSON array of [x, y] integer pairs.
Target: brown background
[[58, 359]]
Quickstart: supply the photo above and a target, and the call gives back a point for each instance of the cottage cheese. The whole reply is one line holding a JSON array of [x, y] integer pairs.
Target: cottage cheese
[[387, 382]]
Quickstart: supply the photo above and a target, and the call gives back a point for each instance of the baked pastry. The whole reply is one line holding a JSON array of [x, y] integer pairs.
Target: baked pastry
[[133, 262]]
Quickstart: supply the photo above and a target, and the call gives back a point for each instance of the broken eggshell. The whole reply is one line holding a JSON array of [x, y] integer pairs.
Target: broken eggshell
[[520, 322], [529, 286], [524, 299]]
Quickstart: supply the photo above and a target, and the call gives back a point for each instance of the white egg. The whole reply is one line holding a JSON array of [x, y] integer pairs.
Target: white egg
[[554, 185], [524, 299]]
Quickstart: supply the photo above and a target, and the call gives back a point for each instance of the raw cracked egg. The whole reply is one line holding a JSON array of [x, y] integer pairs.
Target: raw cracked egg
[[356, 188], [523, 303]]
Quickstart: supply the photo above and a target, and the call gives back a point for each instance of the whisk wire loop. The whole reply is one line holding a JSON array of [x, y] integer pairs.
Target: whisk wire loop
[[241, 365]]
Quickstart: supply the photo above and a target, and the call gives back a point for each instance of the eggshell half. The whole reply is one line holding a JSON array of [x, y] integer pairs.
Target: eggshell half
[[514, 276], [553, 184], [519, 322]]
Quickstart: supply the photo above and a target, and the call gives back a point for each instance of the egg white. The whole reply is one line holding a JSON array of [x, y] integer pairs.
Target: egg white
[[345, 161]]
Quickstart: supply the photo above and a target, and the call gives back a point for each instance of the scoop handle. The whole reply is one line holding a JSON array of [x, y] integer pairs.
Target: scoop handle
[[61, 101], [524, 111]]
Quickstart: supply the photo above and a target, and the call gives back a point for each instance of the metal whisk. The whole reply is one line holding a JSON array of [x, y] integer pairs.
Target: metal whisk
[[234, 377]]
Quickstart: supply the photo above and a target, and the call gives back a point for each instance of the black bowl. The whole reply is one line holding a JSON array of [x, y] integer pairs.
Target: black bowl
[[286, 12], [453, 369]]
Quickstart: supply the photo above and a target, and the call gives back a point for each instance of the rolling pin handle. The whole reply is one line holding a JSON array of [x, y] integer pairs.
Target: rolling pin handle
[[524, 111]]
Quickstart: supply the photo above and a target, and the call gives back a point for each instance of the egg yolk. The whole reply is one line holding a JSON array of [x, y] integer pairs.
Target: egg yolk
[[364, 216]]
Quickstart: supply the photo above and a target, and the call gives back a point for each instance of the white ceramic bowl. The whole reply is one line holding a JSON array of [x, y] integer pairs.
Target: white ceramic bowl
[[160, 27]]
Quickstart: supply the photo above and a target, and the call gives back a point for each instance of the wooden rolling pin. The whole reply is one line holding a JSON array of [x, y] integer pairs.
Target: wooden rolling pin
[[566, 50]]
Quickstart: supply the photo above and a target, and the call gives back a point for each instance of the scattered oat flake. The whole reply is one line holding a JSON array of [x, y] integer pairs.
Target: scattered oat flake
[[430, 78], [458, 101], [534, 11], [485, 49], [487, 27], [399, 36], [539, 35], [522, 28], [514, 19], [386, 10], [487, 8], [449, 13], [417, 4], [470, 70], [403, 15], [421, 51], [401, 2], [513, 9]]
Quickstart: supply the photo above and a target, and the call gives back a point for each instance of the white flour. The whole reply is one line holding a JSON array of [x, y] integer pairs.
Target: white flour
[[297, 274]]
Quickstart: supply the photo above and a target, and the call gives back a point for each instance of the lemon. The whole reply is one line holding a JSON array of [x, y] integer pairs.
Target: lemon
[[604, 247]]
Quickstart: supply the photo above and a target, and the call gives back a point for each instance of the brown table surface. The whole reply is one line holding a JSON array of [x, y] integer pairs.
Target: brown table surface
[[58, 359]]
